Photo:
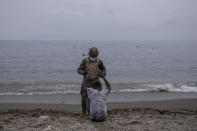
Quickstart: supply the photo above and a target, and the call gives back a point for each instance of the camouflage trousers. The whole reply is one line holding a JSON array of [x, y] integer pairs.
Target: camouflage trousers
[[85, 102]]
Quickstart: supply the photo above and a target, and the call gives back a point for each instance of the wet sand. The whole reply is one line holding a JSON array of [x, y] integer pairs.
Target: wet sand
[[148, 115], [75, 98]]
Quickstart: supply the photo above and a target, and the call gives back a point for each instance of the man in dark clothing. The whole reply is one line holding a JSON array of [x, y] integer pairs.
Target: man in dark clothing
[[91, 68]]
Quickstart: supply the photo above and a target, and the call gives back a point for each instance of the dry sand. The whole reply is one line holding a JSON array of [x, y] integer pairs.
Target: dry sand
[[180, 115]]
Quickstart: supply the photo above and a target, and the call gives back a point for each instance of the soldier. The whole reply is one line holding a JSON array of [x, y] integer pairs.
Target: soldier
[[91, 68]]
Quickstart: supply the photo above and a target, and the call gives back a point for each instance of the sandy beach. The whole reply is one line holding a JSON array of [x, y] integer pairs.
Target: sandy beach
[[164, 115]]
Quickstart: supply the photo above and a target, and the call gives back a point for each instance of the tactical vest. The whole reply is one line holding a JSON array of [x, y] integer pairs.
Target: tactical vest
[[92, 68]]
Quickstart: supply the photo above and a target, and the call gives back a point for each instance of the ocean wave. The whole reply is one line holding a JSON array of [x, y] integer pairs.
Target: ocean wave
[[64, 88], [38, 93], [163, 88], [170, 87]]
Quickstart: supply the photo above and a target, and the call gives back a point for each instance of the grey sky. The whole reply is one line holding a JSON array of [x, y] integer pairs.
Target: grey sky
[[98, 19]]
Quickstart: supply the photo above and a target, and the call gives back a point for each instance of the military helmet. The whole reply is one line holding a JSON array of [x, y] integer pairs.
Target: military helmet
[[93, 52]]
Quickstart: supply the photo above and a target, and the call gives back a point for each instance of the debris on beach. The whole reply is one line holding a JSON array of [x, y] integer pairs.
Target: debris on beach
[[43, 117]]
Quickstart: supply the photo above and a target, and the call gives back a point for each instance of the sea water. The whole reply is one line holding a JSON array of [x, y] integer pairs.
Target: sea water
[[49, 67]]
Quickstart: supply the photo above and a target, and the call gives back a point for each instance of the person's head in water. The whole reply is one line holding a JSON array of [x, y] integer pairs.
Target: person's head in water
[[93, 53], [97, 85]]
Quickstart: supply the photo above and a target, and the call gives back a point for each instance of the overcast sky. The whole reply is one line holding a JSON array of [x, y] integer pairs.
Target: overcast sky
[[98, 19]]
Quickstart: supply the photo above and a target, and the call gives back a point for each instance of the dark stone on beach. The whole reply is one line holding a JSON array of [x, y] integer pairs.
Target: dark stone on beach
[[161, 112], [34, 114], [163, 90], [1, 127], [180, 123], [6, 121], [135, 122]]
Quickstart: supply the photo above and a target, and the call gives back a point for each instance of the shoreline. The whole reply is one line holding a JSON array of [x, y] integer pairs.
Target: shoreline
[[179, 104], [114, 97]]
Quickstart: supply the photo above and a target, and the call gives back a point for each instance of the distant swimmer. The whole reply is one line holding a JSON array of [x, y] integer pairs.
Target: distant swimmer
[[91, 68]]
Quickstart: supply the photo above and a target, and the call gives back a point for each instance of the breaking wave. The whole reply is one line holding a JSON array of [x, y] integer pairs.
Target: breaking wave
[[64, 88], [166, 87]]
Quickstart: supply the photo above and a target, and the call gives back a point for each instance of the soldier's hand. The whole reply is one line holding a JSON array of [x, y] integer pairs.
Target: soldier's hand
[[85, 74], [102, 76], [85, 77]]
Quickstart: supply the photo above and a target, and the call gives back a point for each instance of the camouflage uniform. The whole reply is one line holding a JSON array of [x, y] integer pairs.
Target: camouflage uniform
[[91, 70]]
